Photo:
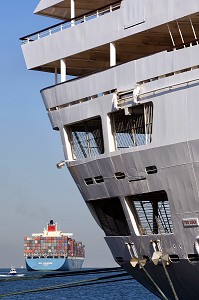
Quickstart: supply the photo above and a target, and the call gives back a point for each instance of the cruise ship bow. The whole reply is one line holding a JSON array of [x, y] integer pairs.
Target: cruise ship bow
[[125, 104]]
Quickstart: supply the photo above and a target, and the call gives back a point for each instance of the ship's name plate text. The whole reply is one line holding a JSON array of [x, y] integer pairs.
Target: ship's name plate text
[[190, 222]]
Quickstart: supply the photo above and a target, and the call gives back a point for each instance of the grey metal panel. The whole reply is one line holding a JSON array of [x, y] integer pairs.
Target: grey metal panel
[[132, 164], [165, 63], [196, 173], [167, 156], [181, 182], [173, 127], [93, 168], [113, 188], [126, 76], [183, 8], [118, 247], [106, 167], [133, 12], [139, 187], [117, 162], [49, 98], [170, 81], [86, 110], [80, 88], [154, 182], [96, 191], [192, 108], [194, 150], [80, 173], [55, 119], [172, 177]]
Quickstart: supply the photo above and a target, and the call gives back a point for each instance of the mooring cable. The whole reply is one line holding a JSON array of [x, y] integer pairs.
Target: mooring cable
[[154, 283], [99, 280], [63, 274]]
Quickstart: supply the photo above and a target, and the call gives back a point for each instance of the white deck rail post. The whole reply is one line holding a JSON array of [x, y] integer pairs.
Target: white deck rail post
[[112, 54], [56, 81], [72, 11], [63, 70]]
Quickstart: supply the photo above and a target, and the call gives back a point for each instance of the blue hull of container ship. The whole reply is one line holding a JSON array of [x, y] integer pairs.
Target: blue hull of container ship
[[53, 264]]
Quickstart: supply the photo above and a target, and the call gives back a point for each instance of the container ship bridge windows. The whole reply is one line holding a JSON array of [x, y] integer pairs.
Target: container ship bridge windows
[[111, 216], [135, 128], [87, 138], [151, 213]]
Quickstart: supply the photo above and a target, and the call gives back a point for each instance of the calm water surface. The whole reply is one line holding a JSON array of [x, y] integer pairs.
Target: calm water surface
[[125, 289]]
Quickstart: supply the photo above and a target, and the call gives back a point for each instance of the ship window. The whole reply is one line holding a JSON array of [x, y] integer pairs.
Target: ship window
[[111, 216], [151, 212], [135, 128], [151, 170], [174, 257], [120, 175], [87, 139], [193, 257], [88, 181], [99, 179]]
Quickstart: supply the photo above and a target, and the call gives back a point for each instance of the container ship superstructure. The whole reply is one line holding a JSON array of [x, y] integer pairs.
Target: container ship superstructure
[[125, 103], [53, 250]]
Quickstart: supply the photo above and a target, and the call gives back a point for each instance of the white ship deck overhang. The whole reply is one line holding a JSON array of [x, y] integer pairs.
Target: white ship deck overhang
[[84, 52], [61, 9], [121, 78]]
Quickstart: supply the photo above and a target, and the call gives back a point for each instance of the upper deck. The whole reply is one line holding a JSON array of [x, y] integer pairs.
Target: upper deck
[[85, 42], [64, 9]]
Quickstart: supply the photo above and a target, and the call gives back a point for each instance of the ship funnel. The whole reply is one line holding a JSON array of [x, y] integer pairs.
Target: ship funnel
[[51, 226]]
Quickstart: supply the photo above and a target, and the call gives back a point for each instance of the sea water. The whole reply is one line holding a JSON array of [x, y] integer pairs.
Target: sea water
[[24, 286]]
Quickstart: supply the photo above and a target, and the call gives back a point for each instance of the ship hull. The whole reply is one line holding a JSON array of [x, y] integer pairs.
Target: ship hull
[[53, 264], [181, 274]]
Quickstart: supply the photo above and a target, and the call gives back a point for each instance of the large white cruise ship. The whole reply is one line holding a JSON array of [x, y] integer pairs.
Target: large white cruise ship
[[125, 103]]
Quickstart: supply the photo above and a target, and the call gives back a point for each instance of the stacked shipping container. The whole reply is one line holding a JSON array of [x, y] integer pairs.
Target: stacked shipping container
[[51, 244]]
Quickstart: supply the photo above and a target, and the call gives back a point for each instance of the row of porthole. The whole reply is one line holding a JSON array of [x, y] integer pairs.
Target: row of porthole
[[118, 175], [99, 179]]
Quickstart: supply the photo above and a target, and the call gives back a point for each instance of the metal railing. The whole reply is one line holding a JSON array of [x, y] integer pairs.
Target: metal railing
[[68, 24]]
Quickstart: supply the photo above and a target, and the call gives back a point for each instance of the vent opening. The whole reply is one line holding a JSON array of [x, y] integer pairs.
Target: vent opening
[[151, 170], [193, 257], [99, 179], [174, 257], [120, 175], [119, 260], [88, 181]]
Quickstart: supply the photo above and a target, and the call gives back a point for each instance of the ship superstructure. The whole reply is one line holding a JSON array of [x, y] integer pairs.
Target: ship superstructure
[[53, 250], [125, 104]]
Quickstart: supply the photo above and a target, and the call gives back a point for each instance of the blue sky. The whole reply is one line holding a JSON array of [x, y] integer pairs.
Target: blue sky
[[32, 189]]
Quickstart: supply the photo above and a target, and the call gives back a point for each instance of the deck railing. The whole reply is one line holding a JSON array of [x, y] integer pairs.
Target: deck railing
[[67, 24]]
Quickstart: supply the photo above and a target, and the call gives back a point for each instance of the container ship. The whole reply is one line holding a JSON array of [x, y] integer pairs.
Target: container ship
[[53, 250], [124, 100]]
